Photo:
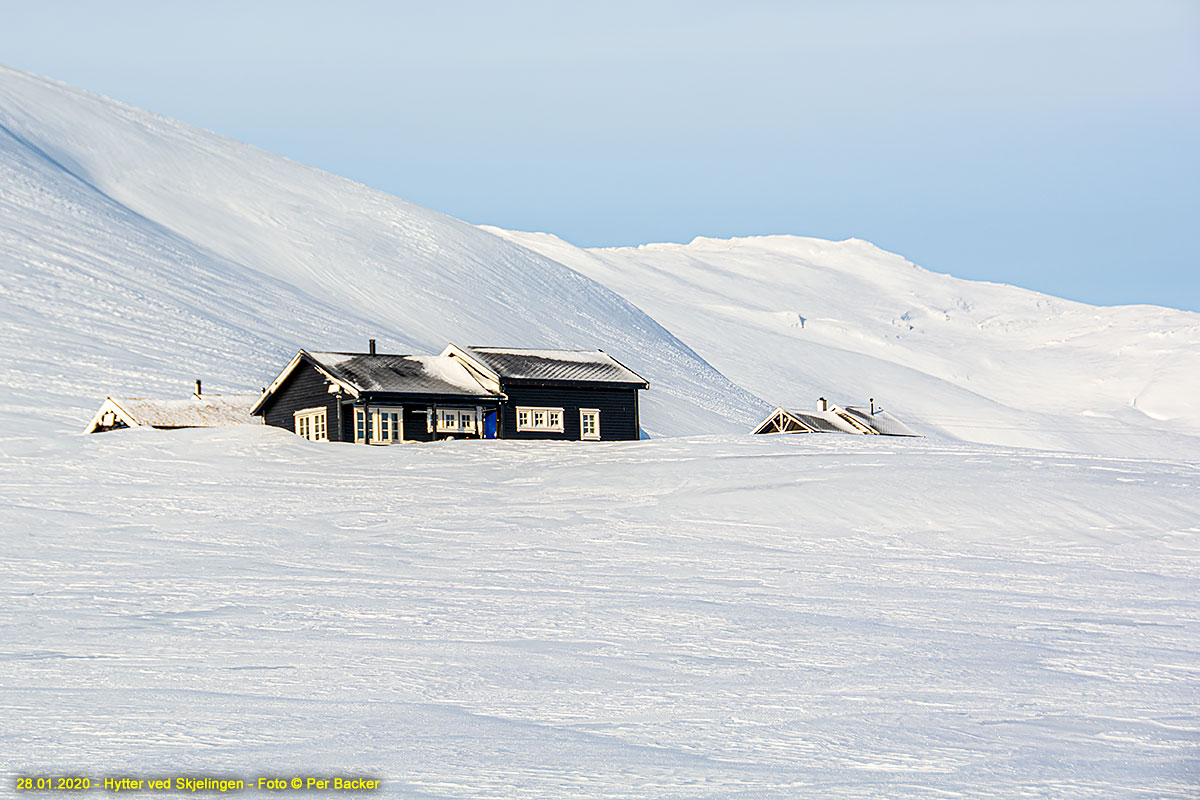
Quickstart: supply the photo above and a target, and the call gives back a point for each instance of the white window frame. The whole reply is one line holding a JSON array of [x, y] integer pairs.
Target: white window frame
[[373, 424], [312, 423], [583, 435], [465, 420], [531, 416]]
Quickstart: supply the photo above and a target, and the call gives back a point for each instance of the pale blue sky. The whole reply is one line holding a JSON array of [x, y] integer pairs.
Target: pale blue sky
[[1047, 144]]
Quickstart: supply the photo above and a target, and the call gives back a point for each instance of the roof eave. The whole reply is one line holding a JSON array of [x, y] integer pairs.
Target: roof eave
[[302, 356]]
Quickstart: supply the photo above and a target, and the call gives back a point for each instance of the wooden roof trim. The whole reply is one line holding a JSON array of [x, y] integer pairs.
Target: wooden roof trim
[[110, 404], [783, 413], [301, 356], [852, 422], [645, 384], [481, 371]]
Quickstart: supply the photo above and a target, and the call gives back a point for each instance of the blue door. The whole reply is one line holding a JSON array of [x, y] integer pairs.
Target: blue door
[[489, 425]]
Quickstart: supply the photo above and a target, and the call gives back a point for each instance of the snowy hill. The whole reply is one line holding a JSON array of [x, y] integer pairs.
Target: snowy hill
[[139, 253], [724, 616], [793, 318]]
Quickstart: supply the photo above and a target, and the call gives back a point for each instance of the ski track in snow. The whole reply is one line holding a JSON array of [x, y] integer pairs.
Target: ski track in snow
[[705, 617]]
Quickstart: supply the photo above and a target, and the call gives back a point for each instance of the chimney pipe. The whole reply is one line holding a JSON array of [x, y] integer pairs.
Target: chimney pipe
[[824, 403], [197, 387], [872, 406], [372, 347]]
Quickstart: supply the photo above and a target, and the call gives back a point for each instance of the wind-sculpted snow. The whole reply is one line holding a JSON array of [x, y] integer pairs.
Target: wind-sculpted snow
[[766, 617], [139, 253], [793, 319]]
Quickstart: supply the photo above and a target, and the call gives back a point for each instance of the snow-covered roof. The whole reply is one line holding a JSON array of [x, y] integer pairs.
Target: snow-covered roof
[[401, 374], [825, 422], [591, 366], [881, 422], [206, 411], [834, 420]]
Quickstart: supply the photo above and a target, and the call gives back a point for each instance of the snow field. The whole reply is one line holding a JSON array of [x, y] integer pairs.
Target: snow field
[[707, 617]]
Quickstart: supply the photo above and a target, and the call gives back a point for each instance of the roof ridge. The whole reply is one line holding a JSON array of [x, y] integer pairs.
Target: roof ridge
[[547, 349]]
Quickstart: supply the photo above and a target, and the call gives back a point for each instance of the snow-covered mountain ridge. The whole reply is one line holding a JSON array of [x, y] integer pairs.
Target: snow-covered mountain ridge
[[793, 318]]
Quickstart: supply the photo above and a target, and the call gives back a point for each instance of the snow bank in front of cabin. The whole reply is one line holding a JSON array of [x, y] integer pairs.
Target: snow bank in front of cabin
[[767, 617]]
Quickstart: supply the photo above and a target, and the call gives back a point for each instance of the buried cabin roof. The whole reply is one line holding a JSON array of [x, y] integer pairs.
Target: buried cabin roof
[[205, 411], [834, 420]]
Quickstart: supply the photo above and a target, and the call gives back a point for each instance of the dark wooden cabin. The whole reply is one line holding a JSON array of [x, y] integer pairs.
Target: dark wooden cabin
[[558, 394], [478, 392]]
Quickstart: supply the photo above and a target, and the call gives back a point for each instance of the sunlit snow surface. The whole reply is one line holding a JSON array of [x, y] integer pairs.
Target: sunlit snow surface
[[721, 617], [793, 318], [714, 617]]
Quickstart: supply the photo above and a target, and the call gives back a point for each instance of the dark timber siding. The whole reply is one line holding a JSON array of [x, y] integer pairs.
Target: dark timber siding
[[347, 420], [617, 406], [304, 388], [416, 424]]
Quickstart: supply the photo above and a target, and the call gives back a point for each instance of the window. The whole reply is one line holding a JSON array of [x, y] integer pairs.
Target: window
[[381, 426], [456, 420], [391, 429], [589, 423], [310, 423], [540, 419]]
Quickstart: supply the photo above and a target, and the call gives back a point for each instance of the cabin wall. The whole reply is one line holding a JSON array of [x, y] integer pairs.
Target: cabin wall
[[416, 424], [617, 405], [306, 387], [415, 416], [347, 434]]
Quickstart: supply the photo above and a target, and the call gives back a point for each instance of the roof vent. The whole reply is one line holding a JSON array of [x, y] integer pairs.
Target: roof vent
[[197, 387], [372, 347], [824, 404]]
